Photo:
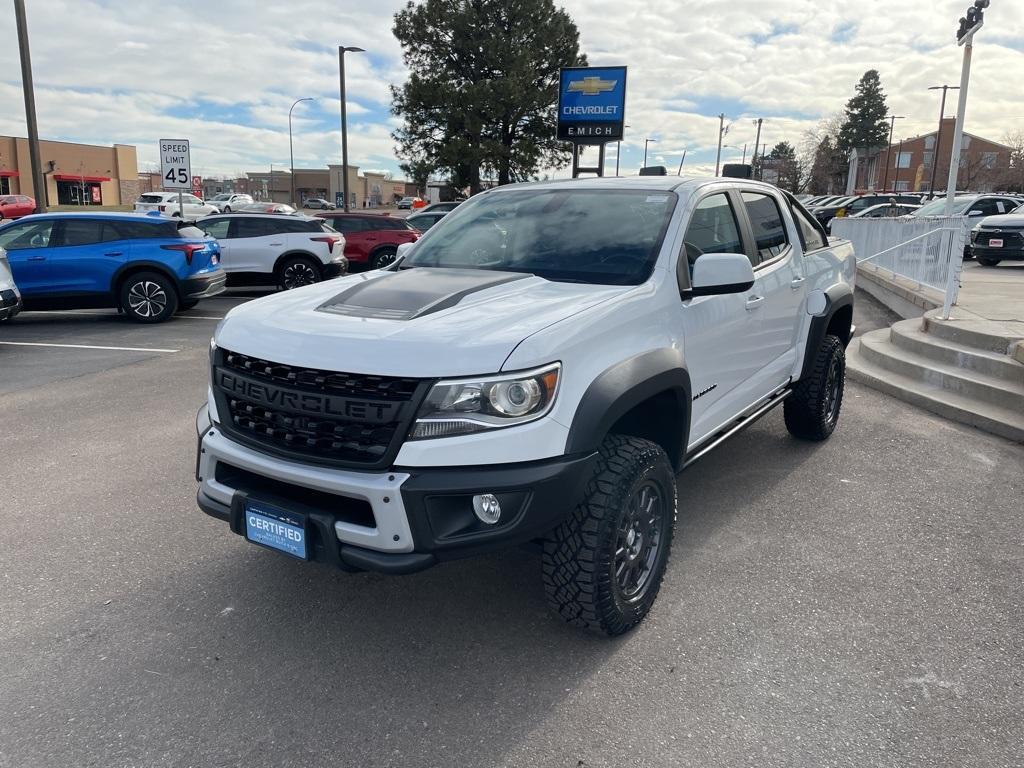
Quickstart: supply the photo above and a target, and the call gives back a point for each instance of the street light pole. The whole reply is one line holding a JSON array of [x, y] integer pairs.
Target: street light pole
[[342, 50], [896, 181], [938, 135], [721, 135], [888, 150], [646, 142], [757, 141], [975, 18], [291, 150], [38, 180]]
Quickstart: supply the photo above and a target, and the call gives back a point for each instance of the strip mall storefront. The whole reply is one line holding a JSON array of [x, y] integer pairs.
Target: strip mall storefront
[[76, 174]]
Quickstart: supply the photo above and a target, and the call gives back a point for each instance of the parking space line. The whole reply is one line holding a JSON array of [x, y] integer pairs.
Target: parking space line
[[82, 346]]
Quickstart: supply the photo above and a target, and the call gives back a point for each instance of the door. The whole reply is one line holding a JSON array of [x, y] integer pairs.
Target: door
[[86, 255], [255, 245], [716, 329], [28, 248], [778, 294], [359, 238], [219, 230]]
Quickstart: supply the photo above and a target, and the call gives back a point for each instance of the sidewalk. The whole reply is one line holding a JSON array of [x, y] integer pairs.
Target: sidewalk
[[991, 302]]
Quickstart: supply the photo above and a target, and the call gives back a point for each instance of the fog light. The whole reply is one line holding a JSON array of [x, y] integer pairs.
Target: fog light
[[487, 508]]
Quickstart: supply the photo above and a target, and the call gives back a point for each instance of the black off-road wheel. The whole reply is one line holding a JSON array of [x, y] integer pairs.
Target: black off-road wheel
[[812, 411], [148, 297], [297, 271], [604, 564], [987, 262]]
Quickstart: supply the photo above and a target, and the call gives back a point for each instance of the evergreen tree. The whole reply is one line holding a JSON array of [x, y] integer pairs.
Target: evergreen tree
[[864, 126], [483, 86], [783, 160]]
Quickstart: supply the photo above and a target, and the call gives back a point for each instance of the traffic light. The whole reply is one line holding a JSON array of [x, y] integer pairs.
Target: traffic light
[[972, 21]]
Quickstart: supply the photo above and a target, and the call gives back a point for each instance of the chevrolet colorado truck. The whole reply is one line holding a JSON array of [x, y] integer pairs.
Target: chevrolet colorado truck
[[537, 368]]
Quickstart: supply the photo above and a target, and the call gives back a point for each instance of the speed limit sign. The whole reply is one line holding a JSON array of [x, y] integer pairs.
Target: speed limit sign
[[175, 165]]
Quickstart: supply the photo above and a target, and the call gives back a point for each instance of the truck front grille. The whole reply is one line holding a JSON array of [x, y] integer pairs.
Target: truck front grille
[[330, 417]]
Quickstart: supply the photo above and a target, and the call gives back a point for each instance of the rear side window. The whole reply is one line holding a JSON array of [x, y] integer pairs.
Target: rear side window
[[189, 232], [713, 229], [132, 230], [349, 224], [810, 235], [767, 224], [217, 228], [252, 227], [6, 201], [81, 232], [385, 223], [151, 199], [291, 226]]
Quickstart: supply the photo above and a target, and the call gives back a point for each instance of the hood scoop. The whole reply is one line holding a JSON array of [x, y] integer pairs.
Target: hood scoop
[[410, 293]]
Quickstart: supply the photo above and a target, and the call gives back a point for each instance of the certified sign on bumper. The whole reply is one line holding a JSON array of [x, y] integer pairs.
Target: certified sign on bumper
[[276, 528]]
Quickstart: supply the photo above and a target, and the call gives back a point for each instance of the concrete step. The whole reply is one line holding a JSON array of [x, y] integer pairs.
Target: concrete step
[[910, 336], [877, 349], [1005, 422], [972, 331]]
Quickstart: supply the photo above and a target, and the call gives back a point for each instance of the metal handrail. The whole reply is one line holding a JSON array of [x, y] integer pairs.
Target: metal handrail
[[906, 242]]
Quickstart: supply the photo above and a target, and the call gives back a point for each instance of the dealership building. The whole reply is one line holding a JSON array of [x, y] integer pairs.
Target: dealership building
[[75, 174]]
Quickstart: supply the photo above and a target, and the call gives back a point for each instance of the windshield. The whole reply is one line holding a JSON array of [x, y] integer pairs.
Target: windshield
[[222, 197], [938, 207], [608, 237]]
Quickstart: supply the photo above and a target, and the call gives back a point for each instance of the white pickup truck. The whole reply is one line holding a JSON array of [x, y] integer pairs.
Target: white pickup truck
[[536, 369]]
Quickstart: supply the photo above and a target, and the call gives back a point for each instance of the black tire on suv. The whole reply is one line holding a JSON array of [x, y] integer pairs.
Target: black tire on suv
[[148, 297], [987, 262], [382, 257], [603, 565], [297, 271], [812, 411]]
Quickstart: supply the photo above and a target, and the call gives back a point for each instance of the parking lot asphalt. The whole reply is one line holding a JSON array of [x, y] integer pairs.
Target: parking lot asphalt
[[851, 603]]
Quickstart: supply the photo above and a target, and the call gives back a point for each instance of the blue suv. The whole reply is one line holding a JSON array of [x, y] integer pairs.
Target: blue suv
[[147, 266]]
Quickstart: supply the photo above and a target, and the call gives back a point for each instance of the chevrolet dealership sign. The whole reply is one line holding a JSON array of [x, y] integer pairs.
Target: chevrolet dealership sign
[[591, 104]]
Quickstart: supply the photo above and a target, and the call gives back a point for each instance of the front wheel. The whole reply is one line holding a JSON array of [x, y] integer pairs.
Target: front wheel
[[604, 564], [383, 258], [148, 297], [297, 271], [987, 262], [812, 411]]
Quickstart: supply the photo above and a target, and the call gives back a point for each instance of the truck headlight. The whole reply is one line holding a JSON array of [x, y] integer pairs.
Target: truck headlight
[[465, 406]]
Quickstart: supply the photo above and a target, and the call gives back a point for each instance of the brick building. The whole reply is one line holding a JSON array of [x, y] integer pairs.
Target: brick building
[[985, 165]]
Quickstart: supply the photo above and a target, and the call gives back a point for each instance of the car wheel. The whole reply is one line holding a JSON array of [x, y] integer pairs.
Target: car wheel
[[987, 262], [383, 257], [148, 297], [603, 565], [812, 411], [297, 271]]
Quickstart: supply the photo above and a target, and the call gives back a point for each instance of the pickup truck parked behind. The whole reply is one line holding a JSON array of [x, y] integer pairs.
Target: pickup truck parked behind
[[536, 368]]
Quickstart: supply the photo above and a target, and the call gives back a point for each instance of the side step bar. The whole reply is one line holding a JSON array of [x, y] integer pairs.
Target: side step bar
[[738, 426]]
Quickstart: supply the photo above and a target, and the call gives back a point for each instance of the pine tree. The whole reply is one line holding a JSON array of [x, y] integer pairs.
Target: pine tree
[[483, 86], [864, 126]]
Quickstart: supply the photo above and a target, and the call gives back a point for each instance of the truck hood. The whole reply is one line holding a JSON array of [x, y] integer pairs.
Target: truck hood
[[415, 322], [1012, 220]]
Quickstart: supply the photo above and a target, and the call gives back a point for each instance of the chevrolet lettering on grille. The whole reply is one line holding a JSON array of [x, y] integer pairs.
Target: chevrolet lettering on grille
[[305, 402]]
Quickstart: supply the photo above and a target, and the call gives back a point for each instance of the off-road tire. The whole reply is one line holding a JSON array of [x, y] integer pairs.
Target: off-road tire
[[579, 558], [148, 297], [812, 411], [383, 257], [987, 262]]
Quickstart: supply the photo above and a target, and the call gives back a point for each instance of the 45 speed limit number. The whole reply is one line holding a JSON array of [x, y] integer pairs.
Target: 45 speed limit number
[[175, 164]]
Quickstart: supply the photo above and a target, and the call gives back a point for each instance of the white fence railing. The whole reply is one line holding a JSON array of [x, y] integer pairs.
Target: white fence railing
[[928, 251]]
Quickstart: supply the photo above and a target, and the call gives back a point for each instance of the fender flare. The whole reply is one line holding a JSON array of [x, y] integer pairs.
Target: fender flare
[[142, 266], [624, 386], [837, 296]]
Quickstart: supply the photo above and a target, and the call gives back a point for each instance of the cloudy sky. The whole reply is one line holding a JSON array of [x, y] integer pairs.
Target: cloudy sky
[[224, 74]]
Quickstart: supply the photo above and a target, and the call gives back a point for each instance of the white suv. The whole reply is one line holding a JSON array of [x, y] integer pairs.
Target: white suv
[[167, 204], [229, 201], [289, 251]]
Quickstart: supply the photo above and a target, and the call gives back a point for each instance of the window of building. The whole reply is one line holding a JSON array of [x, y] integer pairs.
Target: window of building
[[929, 142], [767, 224], [5, 185], [929, 157], [902, 159], [902, 186], [989, 160]]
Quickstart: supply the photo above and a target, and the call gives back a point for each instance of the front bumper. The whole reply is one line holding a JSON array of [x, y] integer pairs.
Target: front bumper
[[1003, 254], [398, 521], [10, 304], [204, 286]]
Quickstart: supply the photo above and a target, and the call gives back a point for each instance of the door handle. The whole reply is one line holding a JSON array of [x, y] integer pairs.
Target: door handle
[[277, 243], [754, 302], [113, 253], [36, 258], [796, 282]]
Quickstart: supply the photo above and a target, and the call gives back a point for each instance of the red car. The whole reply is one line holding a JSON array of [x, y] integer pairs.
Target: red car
[[16, 206], [371, 240]]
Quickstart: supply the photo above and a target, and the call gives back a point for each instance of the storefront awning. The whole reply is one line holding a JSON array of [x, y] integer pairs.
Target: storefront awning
[[10, 173], [76, 177]]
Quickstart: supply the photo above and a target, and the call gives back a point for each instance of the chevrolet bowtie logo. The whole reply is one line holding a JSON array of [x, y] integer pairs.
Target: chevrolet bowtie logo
[[591, 86]]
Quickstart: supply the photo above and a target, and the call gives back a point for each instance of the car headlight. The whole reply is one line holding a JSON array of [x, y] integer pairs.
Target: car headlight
[[466, 406]]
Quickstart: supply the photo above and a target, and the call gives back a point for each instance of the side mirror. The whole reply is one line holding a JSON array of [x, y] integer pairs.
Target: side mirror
[[975, 212], [403, 250], [721, 273]]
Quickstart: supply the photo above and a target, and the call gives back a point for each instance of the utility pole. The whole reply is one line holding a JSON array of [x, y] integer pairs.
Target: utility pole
[[646, 142], [681, 161], [888, 150], [38, 180], [973, 21], [757, 141], [938, 135], [721, 135]]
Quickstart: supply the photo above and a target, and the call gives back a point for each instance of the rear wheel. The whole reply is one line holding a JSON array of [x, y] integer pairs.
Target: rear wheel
[[812, 411], [604, 564], [148, 297], [297, 271], [987, 262], [383, 258]]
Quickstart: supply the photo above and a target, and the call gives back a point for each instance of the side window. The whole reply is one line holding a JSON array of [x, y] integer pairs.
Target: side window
[[767, 224], [384, 223], [348, 224], [191, 200], [811, 236], [712, 229], [987, 206], [217, 228], [254, 227], [35, 234], [81, 232]]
